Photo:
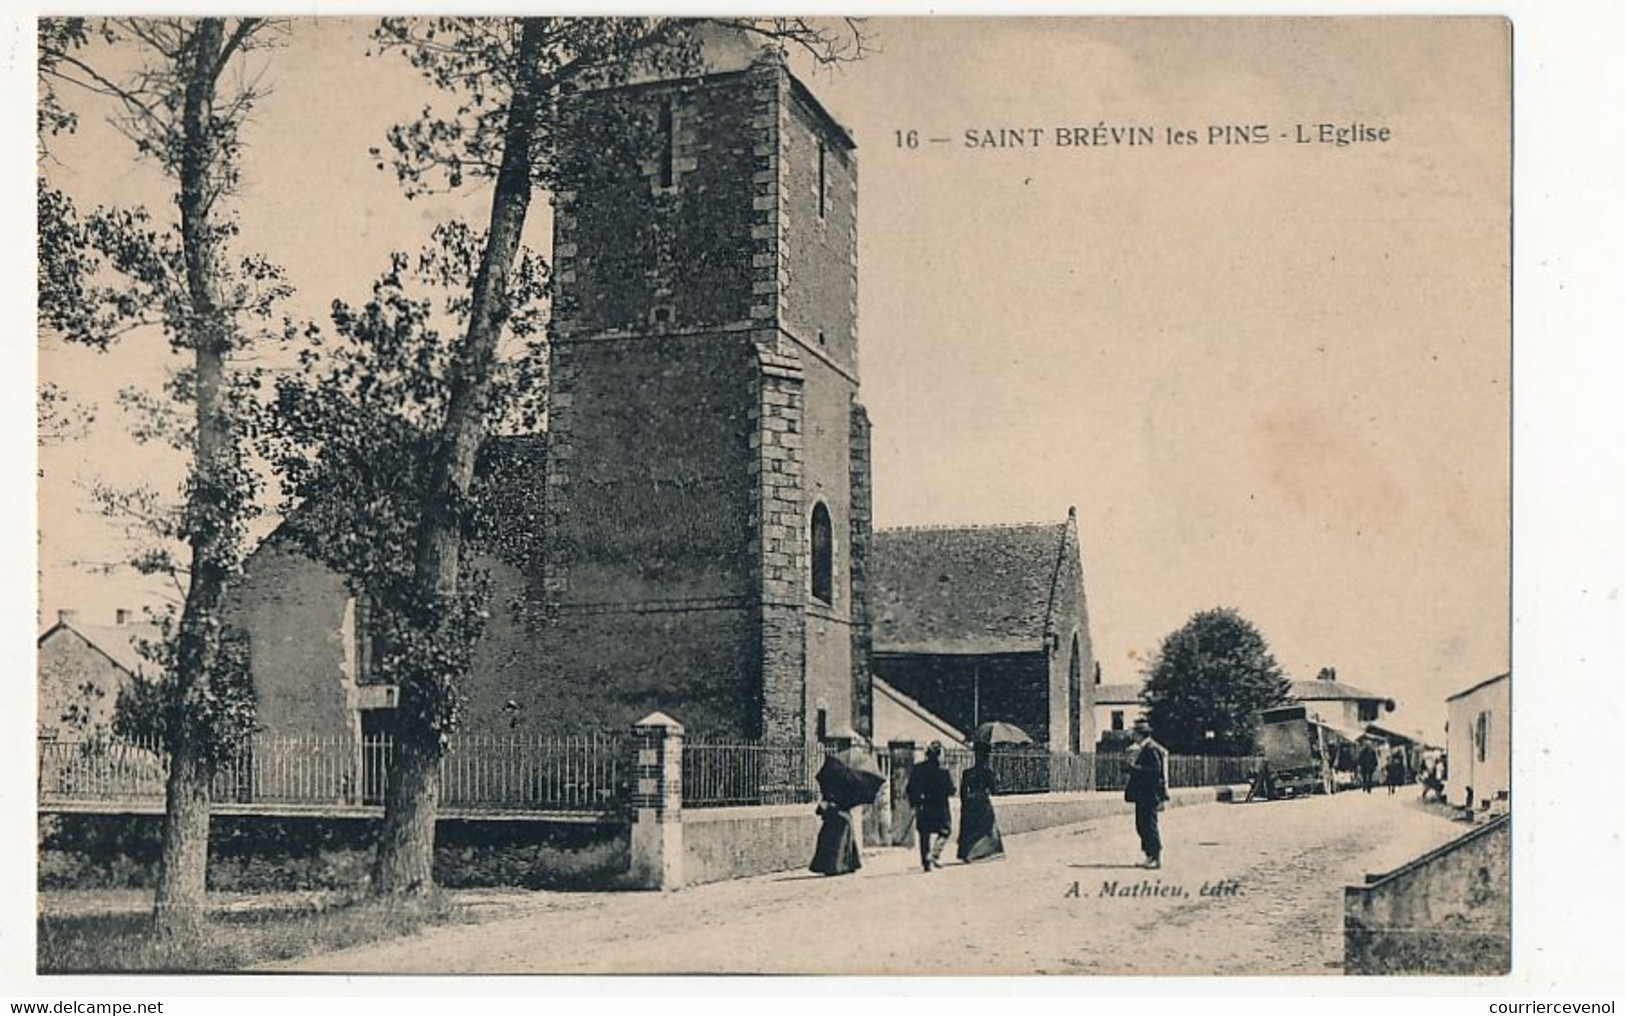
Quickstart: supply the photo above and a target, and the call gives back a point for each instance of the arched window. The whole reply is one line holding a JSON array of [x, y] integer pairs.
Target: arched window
[[823, 555]]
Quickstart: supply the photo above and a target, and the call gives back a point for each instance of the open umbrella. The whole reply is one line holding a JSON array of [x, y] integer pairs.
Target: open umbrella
[[849, 778], [997, 732]]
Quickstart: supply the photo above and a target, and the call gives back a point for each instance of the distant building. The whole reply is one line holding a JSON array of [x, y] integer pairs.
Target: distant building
[[81, 669], [1340, 704], [1479, 737], [987, 623], [1117, 706]]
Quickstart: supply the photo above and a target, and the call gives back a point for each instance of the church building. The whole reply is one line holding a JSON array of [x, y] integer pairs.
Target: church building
[[698, 514]]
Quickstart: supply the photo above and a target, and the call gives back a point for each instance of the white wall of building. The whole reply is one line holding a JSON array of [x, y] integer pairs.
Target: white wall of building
[[1480, 742]]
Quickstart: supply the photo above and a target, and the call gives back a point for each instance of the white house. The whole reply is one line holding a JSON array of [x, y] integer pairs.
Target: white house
[[1340, 704], [1117, 706], [1479, 738]]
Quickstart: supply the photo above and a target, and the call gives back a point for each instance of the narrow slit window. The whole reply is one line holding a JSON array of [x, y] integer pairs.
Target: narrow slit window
[[823, 180], [668, 145]]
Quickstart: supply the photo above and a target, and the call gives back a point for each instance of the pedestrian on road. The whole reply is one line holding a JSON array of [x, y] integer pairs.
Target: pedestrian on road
[[1395, 771], [978, 827], [930, 788], [1148, 790], [1368, 766], [837, 850]]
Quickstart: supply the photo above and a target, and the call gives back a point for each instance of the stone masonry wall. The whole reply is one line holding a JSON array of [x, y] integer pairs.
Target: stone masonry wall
[[819, 259], [861, 537], [67, 663], [300, 626], [649, 496], [1071, 620], [782, 555], [636, 246], [1449, 912], [827, 453]]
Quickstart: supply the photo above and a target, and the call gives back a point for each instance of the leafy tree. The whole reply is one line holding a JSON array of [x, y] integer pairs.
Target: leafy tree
[[505, 77], [117, 272], [353, 432], [1207, 683], [63, 263]]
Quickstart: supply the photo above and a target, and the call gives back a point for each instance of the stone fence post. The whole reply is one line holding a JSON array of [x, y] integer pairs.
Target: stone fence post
[[657, 802], [902, 815]]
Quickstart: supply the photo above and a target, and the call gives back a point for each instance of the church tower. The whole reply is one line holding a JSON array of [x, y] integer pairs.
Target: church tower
[[708, 459]]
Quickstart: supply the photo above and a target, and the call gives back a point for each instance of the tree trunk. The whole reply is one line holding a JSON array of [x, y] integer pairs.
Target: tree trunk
[[178, 903], [404, 862], [177, 914]]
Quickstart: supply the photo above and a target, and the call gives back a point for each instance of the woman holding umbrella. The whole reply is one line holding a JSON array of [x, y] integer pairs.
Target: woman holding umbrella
[[846, 781], [978, 828]]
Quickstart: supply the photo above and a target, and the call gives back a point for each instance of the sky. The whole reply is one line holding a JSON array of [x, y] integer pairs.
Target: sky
[[1269, 376]]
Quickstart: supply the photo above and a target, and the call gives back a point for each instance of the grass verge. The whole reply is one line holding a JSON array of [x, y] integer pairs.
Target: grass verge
[[118, 939]]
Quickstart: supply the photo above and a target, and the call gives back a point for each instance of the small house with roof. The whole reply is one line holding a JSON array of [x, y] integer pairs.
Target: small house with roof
[[1117, 706], [1341, 705], [982, 623], [82, 667]]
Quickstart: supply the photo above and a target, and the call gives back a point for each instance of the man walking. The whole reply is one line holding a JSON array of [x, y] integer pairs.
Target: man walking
[[929, 790], [1147, 789], [1368, 766]]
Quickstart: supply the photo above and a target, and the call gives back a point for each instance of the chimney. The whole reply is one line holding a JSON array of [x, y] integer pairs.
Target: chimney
[[121, 616], [67, 616]]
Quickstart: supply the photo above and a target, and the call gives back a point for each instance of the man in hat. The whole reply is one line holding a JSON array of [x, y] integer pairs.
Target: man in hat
[[929, 790], [1148, 790], [1367, 762]]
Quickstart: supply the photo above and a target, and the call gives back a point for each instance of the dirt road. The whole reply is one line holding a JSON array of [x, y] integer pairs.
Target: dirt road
[[1064, 901]]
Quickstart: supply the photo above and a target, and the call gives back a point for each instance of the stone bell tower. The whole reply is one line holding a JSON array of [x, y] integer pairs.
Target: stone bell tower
[[708, 492]]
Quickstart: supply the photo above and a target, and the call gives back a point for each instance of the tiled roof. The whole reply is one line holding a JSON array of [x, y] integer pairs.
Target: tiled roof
[[974, 589], [116, 641], [1482, 684], [1117, 694], [1328, 691]]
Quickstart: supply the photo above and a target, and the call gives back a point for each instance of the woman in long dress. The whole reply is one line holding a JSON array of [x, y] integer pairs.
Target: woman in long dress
[[837, 850], [978, 827]]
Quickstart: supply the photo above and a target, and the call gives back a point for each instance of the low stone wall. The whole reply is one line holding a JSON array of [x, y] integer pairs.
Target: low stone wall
[[1447, 912], [726, 843], [257, 853]]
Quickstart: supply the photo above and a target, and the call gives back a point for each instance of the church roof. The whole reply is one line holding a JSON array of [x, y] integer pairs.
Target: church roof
[[978, 589]]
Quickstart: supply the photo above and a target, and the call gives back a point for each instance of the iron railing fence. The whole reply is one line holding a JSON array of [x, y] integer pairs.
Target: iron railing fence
[[719, 773], [537, 773], [558, 773]]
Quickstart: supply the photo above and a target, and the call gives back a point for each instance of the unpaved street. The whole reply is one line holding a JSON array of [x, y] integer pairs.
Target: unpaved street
[[1039, 910]]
